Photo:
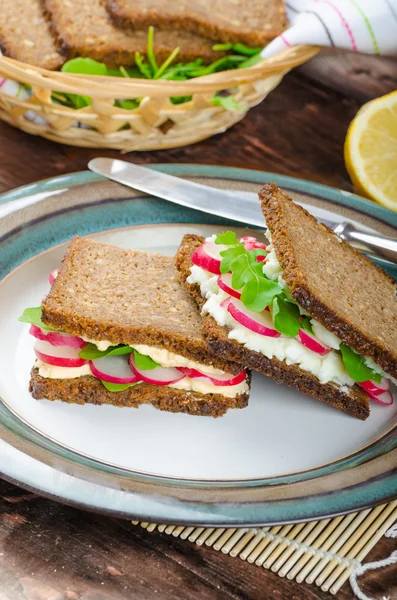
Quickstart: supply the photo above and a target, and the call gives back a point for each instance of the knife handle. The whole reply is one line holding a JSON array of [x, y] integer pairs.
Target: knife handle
[[370, 243]]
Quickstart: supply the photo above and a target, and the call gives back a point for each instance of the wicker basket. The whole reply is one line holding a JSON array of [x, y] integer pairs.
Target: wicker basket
[[157, 123]]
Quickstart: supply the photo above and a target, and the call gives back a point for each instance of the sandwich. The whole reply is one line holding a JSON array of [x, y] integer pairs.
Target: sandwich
[[304, 308], [117, 327]]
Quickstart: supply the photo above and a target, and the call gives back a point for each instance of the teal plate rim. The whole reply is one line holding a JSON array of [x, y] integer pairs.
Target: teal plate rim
[[354, 498]]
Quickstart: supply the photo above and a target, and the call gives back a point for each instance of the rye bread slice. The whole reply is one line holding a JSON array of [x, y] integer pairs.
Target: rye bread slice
[[103, 292], [87, 389], [253, 23], [25, 34], [340, 287], [85, 29], [351, 400]]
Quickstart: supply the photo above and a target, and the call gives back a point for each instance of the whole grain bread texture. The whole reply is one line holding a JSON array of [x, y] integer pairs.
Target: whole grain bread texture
[[88, 389], [25, 34], [84, 28], [351, 400], [337, 285], [103, 292], [253, 23]]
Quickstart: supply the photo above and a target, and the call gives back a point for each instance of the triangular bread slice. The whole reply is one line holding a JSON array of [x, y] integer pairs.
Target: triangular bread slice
[[336, 284]]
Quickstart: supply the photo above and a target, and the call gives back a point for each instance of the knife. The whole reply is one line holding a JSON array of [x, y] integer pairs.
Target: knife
[[242, 207]]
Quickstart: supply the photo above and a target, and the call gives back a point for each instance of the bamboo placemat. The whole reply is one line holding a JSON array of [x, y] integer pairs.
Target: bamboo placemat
[[322, 552]]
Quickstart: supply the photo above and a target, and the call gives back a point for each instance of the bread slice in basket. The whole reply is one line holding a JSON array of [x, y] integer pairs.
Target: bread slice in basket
[[348, 301], [85, 29], [25, 34], [253, 23]]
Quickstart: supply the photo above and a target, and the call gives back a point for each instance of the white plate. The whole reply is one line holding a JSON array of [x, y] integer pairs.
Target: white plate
[[282, 431]]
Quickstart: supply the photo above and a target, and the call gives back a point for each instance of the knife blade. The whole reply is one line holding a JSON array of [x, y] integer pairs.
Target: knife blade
[[221, 203], [240, 206]]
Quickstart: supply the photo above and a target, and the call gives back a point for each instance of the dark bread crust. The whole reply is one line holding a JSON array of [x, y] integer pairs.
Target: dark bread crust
[[88, 389], [354, 403], [85, 29], [103, 292], [340, 287], [253, 23]]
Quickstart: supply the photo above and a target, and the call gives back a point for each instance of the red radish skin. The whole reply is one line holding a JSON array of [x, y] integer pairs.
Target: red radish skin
[[58, 356], [56, 338], [257, 322], [375, 389], [385, 399], [158, 375], [225, 283], [250, 243], [53, 275], [207, 256], [114, 369], [226, 379], [309, 341]]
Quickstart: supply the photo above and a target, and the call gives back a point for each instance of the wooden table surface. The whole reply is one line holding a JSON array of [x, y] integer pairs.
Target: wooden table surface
[[52, 552]]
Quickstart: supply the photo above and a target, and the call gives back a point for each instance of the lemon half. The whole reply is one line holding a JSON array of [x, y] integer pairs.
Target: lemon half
[[371, 150]]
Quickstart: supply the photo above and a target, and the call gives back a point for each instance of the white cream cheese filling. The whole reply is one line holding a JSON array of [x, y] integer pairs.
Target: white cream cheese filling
[[165, 358], [102, 345], [201, 386], [204, 386], [52, 372], [327, 368]]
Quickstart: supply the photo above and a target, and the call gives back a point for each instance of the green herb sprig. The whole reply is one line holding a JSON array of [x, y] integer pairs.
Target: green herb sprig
[[33, 316], [356, 367], [258, 291]]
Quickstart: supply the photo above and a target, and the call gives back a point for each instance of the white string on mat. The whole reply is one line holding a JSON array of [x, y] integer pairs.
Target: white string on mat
[[301, 546], [372, 566]]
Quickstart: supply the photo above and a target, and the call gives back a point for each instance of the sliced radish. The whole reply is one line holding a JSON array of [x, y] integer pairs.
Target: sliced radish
[[56, 338], [53, 275], [158, 375], [311, 342], [375, 389], [251, 242], [58, 356], [207, 256], [114, 369], [225, 379], [385, 399], [257, 322], [225, 283]]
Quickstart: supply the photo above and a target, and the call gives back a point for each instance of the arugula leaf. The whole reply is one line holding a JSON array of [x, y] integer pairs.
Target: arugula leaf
[[306, 325], [239, 48], [258, 294], [228, 102], [258, 291], [227, 238], [144, 363], [229, 256], [356, 367], [33, 316], [285, 316], [127, 104], [87, 66], [91, 352], [117, 387]]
